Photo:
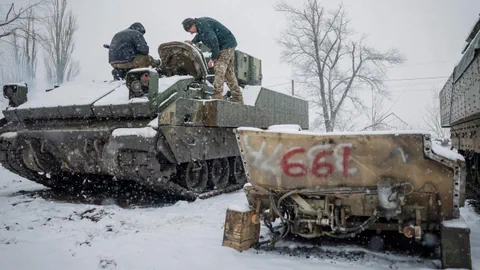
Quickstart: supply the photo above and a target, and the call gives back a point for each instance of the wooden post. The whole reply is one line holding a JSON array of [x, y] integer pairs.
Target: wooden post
[[293, 88]]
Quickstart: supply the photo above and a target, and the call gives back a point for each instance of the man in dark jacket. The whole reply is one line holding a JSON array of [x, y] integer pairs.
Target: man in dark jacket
[[222, 43], [129, 49]]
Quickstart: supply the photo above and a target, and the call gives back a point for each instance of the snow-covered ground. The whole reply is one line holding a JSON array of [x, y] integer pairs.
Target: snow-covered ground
[[38, 233]]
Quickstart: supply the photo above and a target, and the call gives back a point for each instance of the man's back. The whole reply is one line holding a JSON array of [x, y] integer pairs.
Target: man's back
[[225, 37], [125, 45]]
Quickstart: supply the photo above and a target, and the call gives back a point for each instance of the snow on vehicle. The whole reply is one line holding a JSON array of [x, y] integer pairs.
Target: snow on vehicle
[[160, 131], [339, 185]]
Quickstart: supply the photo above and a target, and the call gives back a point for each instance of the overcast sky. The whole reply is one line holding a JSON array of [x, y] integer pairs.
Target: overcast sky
[[430, 33]]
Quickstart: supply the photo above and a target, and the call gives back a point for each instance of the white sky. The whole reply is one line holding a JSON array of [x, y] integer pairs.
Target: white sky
[[430, 33]]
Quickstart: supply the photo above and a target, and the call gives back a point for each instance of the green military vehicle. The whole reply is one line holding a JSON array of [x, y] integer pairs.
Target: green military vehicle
[[159, 129]]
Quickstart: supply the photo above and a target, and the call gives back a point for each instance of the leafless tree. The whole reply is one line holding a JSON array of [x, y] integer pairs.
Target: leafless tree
[[14, 19], [20, 43], [381, 118], [24, 49], [59, 42], [331, 64], [432, 118]]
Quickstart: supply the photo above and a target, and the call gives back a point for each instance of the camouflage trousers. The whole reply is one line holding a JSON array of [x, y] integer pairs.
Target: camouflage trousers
[[140, 61], [225, 71]]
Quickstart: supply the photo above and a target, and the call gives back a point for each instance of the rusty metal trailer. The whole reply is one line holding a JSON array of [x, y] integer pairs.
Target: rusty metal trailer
[[339, 185]]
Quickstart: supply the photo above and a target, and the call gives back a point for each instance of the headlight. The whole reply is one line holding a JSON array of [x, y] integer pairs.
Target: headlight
[[15, 93], [9, 91], [141, 82], [136, 87]]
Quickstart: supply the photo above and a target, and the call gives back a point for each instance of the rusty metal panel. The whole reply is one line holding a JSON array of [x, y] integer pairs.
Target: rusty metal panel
[[240, 232], [465, 100], [199, 143], [270, 110], [287, 161]]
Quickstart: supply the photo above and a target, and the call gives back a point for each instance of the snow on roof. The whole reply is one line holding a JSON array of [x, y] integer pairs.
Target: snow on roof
[[288, 129], [285, 127], [143, 70], [146, 132], [120, 95], [244, 207], [72, 94], [165, 82], [17, 84], [455, 223], [153, 123]]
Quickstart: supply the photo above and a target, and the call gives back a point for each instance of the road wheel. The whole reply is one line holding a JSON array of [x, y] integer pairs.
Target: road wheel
[[195, 176], [219, 172]]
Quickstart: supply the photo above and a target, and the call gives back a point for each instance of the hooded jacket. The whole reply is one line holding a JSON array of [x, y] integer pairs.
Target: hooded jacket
[[215, 35], [127, 44]]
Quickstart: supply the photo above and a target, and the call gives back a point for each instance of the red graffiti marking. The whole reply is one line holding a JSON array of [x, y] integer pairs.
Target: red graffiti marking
[[286, 166], [319, 167]]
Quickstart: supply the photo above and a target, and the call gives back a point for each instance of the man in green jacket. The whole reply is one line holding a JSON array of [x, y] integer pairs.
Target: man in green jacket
[[222, 43]]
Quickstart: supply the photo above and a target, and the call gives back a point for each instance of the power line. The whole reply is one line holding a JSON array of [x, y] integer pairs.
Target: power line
[[421, 64], [417, 79], [389, 80]]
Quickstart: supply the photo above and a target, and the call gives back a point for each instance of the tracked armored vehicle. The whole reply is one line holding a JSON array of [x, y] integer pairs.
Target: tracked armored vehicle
[[315, 185], [160, 130], [459, 108]]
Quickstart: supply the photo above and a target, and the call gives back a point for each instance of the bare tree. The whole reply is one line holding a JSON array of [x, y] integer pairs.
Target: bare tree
[[14, 19], [432, 118], [59, 43], [20, 42], [24, 51], [331, 64], [381, 119]]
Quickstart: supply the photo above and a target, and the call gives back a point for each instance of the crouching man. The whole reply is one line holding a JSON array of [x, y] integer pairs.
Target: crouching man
[[128, 49], [222, 43]]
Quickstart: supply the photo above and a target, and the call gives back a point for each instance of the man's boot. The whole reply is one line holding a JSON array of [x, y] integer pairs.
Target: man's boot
[[237, 97], [217, 95]]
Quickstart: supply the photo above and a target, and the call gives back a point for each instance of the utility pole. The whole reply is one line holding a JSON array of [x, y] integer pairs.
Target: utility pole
[[293, 88]]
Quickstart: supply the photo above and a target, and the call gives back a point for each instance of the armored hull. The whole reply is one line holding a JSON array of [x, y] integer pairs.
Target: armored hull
[[459, 107], [162, 131]]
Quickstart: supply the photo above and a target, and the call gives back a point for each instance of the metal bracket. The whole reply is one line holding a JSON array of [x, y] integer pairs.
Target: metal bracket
[[458, 176]]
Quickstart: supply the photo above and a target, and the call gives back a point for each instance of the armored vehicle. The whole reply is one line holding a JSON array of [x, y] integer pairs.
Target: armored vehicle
[[339, 185], [460, 110], [159, 129]]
